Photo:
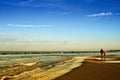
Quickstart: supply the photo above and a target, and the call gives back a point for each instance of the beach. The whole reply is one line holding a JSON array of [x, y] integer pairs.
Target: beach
[[59, 39], [95, 69], [59, 67]]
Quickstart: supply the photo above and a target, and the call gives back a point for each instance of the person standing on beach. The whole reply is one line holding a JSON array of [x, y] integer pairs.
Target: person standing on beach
[[103, 54]]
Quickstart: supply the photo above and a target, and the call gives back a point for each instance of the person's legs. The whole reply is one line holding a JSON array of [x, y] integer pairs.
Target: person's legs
[[104, 56], [101, 56]]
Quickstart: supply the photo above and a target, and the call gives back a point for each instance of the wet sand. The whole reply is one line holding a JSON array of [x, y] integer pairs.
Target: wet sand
[[95, 69]]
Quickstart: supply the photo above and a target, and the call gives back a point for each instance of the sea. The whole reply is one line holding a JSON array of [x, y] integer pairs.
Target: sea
[[41, 66]]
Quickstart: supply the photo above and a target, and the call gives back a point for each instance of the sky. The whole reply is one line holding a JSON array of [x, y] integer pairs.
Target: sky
[[52, 25]]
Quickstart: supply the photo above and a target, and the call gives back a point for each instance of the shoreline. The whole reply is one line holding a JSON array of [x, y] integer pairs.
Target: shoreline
[[34, 72], [83, 68], [57, 71], [95, 69]]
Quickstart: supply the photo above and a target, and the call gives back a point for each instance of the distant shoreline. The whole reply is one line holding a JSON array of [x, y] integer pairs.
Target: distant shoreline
[[49, 52]]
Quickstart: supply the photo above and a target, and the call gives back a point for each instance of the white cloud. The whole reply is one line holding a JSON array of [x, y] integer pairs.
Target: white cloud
[[27, 26], [101, 14]]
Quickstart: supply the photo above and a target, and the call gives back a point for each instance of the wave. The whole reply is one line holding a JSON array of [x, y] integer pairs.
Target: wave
[[57, 70], [17, 75], [41, 71], [28, 64]]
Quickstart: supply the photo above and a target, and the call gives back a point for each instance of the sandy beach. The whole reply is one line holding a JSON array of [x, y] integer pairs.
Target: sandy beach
[[91, 68], [95, 69]]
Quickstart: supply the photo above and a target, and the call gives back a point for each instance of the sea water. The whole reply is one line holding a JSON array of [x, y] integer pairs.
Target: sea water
[[40, 66]]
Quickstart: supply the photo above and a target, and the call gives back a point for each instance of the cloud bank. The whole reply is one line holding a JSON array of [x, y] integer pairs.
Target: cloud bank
[[101, 14]]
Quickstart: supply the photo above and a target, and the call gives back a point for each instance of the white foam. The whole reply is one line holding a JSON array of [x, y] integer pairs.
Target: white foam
[[109, 60], [112, 61], [28, 64]]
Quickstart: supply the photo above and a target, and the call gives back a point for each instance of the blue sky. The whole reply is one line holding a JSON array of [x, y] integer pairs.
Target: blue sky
[[59, 24]]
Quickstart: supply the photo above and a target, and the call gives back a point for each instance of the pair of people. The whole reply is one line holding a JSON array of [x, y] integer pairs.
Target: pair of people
[[103, 53]]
